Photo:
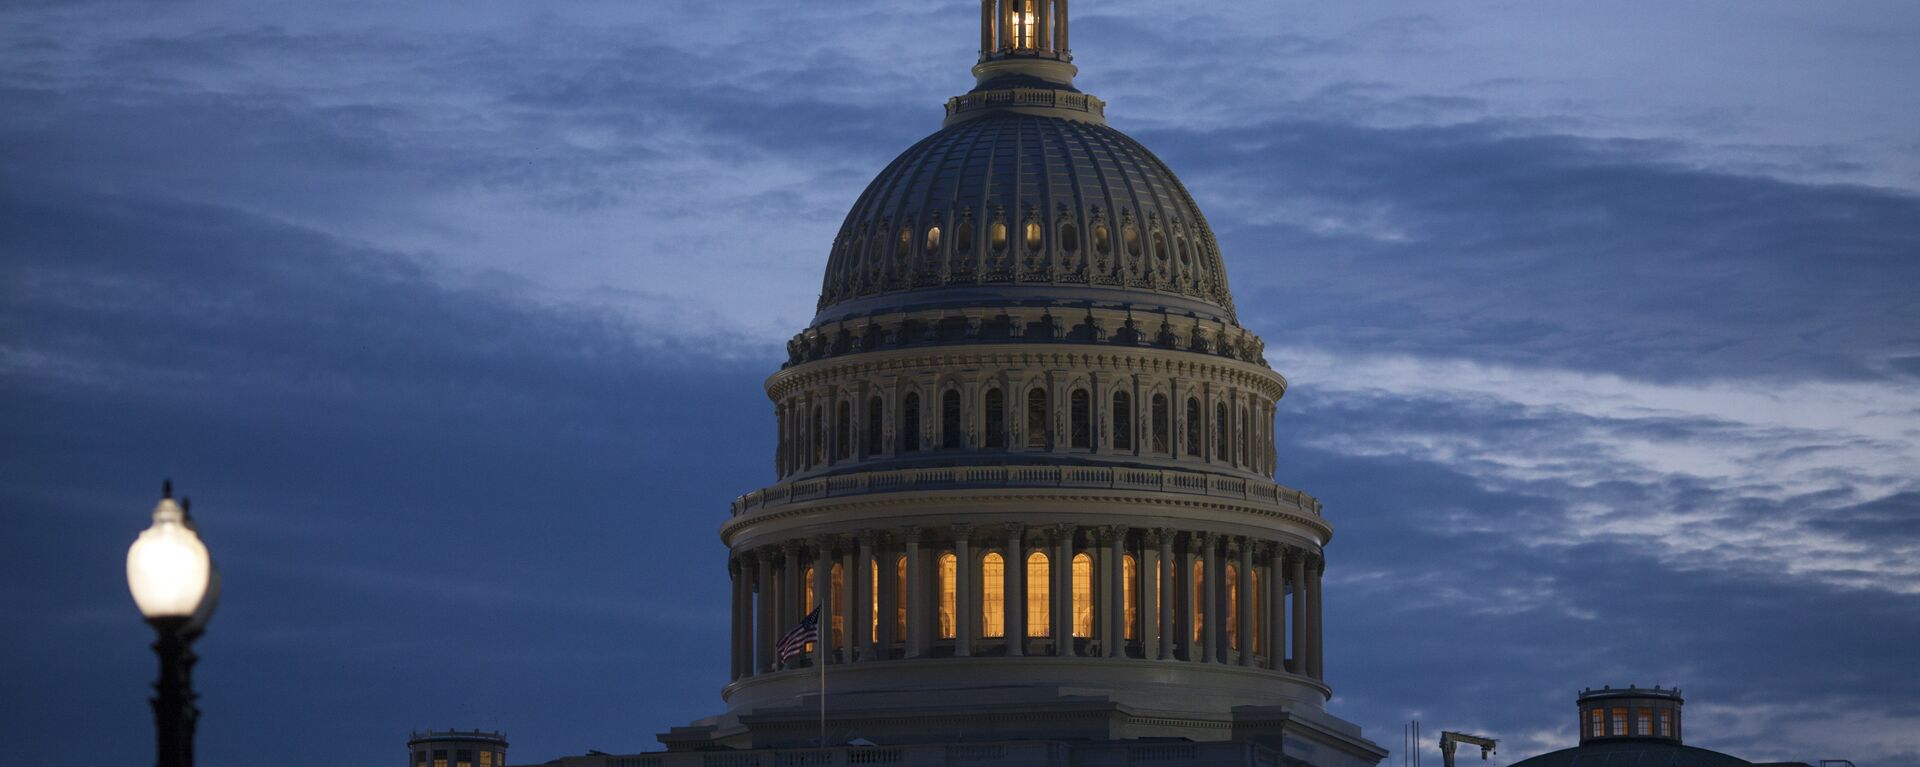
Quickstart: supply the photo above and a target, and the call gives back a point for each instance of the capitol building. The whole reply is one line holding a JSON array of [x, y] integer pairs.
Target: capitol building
[[1025, 470]]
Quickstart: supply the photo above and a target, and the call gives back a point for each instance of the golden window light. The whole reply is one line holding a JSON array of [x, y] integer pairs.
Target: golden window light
[[993, 595], [948, 594], [1082, 596], [1039, 597]]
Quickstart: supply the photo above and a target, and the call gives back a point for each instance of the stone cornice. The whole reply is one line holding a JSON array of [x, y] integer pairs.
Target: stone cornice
[[1136, 359]]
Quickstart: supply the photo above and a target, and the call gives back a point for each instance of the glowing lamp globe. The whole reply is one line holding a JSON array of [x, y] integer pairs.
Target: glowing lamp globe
[[168, 568]]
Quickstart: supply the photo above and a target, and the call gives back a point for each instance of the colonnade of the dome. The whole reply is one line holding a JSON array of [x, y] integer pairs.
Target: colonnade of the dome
[[1133, 407], [1011, 590]]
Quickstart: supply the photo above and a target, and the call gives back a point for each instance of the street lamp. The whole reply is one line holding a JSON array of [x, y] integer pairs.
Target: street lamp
[[175, 585]]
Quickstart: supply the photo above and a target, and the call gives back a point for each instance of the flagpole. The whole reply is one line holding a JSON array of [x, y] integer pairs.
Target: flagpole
[[823, 697]]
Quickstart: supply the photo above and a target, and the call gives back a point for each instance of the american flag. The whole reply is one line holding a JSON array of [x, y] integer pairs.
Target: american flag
[[795, 641]]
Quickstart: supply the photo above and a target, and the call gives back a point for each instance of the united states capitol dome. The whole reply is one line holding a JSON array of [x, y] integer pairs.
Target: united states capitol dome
[[1025, 195]]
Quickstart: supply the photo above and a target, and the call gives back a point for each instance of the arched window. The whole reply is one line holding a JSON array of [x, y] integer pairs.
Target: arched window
[[1130, 595], [1162, 426], [950, 431], [949, 566], [1037, 418], [1102, 239], [963, 236], [843, 430], [997, 235], [1199, 600], [1122, 421], [819, 436], [905, 244], [910, 423], [1596, 722], [1082, 595], [876, 426], [1081, 418], [1246, 442], [1194, 445], [1039, 596], [1232, 582], [806, 588], [993, 595], [837, 598], [933, 238], [1130, 236], [1033, 235], [1069, 237], [1220, 444], [996, 419], [900, 603], [874, 591]]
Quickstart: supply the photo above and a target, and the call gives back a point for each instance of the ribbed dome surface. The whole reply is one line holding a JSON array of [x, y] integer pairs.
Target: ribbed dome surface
[[1024, 208]]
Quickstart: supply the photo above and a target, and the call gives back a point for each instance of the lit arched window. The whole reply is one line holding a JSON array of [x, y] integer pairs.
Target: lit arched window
[[950, 431], [1232, 582], [1102, 239], [905, 244], [1129, 595], [993, 595], [1162, 427], [1193, 427], [933, 238], [996, 419], [1617, 722], [948, 594], [843, 430], [1081, 417], [1039, 596], [806, 581], [1033, 235], [997, 235], [1220, 444], [910, 423], [1082, 595], [1037, 418], [874, 591], [1122, 421], [876, 425], [1025, 27], [838, 600], [1130, 236], [1199, 598], [900, 604]]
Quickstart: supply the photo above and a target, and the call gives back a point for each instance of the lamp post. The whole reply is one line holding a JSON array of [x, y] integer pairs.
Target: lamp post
[[175, 584]]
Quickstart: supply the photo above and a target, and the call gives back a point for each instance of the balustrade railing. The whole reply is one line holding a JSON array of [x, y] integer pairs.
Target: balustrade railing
[[1162, 480]]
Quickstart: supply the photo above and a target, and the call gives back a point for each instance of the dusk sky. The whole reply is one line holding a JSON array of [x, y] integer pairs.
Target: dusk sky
[[1602, 322]]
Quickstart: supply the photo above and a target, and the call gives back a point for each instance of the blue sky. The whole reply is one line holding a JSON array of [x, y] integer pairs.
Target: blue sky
[[1600, 319]]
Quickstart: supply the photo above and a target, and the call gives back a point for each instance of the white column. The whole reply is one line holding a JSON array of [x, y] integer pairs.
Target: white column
[[1277, 608], [1015, 586], [1245, 608], [739, 625], [964, 587], [1062, 572], [1116, 618], [1315, 656], [889, 587], [1297, 577], [1150, 560], [762, 564], [849, 605], [916, 596]]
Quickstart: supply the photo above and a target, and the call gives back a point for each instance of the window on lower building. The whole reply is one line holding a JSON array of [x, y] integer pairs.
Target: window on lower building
[[463, 758], [1617, 722], [993, 595], [1083, 596], [1666, 724], [1039, 596], [1199, 599], [949, 565], [486, 759], [439, 758], [1596, 723], [1130, 585], [1232, 582], [950, 430], [837, 603]]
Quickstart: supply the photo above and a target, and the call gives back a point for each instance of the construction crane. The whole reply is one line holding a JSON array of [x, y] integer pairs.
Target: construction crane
[[1451, 740]]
